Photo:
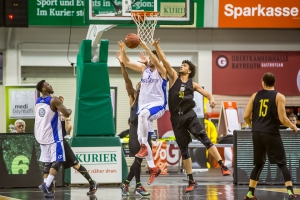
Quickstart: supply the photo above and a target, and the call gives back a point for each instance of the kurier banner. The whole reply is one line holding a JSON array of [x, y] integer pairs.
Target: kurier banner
[[240, 72], [103, 163], [259, 14]]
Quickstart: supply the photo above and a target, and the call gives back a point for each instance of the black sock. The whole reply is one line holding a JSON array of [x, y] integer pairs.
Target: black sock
[[190, 176], [290, 189], [138, 184], [221, 163], [85, 174]]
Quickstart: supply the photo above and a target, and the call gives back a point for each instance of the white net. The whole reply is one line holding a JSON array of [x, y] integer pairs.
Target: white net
[[146, 22]]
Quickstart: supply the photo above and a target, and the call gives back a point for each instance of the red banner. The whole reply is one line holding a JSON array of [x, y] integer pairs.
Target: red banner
[[159, 153], [241, 72]]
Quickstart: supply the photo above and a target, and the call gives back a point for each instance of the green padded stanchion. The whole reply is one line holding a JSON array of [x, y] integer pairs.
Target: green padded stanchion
[[93, 120]]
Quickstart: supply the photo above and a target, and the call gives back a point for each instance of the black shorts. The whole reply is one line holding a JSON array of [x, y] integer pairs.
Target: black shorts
[[268, 144], [71, 159], [188, 123]]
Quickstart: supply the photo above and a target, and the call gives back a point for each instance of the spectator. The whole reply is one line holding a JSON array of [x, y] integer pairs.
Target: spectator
[[20, 126], [293, 119]]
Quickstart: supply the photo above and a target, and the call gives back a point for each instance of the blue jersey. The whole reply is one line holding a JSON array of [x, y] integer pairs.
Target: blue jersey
[[47, 127]]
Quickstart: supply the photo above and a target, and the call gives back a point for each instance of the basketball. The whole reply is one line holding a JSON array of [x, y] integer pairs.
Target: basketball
[[132, 40]]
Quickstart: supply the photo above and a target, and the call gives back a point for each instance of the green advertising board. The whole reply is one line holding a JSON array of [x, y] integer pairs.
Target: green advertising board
[[64, 13]]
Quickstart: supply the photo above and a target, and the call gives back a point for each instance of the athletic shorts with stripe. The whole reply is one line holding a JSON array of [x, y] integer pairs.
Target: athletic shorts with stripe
[[52, 152]]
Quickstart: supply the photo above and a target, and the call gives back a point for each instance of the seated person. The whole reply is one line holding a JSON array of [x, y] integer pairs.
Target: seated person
[[293, 118], [20, 126]]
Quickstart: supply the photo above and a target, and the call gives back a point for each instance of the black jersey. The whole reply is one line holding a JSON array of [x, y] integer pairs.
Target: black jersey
[[181, 97], [265, 116], [133, 109]]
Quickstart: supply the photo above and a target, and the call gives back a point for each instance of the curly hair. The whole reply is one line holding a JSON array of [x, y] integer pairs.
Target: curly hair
[[39, 85], [192, 68]]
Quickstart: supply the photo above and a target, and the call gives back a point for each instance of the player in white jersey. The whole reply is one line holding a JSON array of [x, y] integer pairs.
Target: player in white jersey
[[48, 132], [152, 100]]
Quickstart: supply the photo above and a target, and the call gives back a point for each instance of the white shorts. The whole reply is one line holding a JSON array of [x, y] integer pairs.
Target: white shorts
[[52, 152], [156, 110]]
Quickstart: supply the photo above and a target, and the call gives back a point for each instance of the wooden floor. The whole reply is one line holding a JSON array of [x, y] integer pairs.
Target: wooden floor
[[212, 186]]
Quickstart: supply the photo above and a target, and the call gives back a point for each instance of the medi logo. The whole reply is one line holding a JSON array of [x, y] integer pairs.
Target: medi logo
[[259, 14]]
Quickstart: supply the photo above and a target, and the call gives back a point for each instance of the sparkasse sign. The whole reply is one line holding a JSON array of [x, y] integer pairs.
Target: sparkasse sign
[[259, 14]]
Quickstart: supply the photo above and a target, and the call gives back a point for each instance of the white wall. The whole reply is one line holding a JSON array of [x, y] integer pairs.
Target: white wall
[[48, 47]]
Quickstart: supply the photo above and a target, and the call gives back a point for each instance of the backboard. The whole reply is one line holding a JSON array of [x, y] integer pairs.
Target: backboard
[[172, 12]]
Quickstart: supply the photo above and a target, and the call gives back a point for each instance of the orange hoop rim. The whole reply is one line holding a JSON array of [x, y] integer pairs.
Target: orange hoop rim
[[144, 13]]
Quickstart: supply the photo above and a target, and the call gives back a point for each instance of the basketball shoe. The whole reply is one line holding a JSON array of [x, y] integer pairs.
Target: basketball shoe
[[248, 198], [142, 191], [93, 188], [154, 173], [124, 189], [192, 186], [46, 190], [293, 197], [143, 152], [225, 171]]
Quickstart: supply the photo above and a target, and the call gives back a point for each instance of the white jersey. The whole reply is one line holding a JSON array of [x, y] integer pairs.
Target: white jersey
[[47, 126], [153, 90]]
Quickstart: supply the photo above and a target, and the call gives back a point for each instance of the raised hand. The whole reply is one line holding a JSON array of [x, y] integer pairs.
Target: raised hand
[[121, 45], [119, 56], [144, 45], [155, 42], [143, 57]]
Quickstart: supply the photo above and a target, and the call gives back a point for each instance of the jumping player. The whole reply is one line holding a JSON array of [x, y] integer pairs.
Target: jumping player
[[152, 100], [183, 118]]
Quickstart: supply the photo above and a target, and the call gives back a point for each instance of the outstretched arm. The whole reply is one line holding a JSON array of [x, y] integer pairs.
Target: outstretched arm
[[138, 67], [154, 60], [210, 97], [171, 72], [128, 82]]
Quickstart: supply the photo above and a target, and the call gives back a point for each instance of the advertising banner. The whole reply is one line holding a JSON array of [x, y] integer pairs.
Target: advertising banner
[[19, 161], [100, 162], [240, 72], [259, 14], [20, 104], [159, 153]]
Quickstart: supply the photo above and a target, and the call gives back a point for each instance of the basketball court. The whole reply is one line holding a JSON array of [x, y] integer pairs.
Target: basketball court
[[146, 15], [212, 186]]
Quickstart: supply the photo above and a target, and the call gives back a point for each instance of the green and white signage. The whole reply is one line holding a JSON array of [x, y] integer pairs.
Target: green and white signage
[[103, 163]]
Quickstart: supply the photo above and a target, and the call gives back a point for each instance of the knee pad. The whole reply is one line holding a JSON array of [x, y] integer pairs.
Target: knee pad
[[46, 168], [184, 152], [56, 165]]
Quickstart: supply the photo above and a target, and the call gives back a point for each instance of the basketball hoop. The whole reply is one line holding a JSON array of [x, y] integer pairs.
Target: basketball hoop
[[146, 22]]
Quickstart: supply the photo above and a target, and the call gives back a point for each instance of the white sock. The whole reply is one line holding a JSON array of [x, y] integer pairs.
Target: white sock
[[150, 163], [49, 180], [145, 140]]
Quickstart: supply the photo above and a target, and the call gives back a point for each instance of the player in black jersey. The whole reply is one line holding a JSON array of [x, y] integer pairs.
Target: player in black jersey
[[267, 107], [134, 144], [183, 118]]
